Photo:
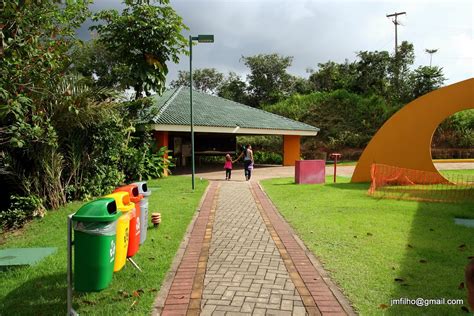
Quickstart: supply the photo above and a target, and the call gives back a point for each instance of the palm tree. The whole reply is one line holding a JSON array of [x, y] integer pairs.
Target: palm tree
[[431, 52]]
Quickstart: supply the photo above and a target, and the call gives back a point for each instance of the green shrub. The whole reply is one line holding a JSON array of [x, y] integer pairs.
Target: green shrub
[[21, 209], [271, 158], [345, 119]]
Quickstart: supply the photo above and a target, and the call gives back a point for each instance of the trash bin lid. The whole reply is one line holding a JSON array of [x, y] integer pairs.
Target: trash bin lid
[[143, 188], [100, 210], [122, 199], [132, 190]]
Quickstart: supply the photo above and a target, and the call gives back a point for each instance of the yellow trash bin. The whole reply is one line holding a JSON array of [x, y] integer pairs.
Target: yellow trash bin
[[122, 199]]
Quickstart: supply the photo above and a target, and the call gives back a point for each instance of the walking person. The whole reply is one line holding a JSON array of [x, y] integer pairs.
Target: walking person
[[228, 166], [248, 161]]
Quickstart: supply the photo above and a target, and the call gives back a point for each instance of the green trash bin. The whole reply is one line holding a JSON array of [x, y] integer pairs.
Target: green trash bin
[[94, 244]]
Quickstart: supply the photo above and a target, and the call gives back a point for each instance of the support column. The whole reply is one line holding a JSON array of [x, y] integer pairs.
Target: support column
[[291, 149], [161, 139]]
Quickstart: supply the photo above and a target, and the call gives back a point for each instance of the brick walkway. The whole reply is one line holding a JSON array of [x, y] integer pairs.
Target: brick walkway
[[243, 259]]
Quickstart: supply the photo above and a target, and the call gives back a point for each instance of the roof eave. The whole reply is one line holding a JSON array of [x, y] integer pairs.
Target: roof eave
[[233, 130]]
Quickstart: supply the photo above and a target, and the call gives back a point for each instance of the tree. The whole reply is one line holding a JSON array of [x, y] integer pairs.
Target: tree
[[331, 76], [431, 52], [268, 81], [93, 61], [37, 38], [142, 40], [234, 88], [400, 91], [207, 80], [300, 85], [425, 79], [371, 72]]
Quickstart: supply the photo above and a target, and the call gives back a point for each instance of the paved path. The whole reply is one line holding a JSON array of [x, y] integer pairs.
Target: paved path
[[243, 259]]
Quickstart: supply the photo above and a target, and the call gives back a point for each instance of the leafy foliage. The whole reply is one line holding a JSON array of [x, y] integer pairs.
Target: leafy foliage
[[140, 41], [268, 81], [21, 209], [346, 119], [456, 131], [425, 79], [207, 80], [63, 136], [234, 88], [272, 158]]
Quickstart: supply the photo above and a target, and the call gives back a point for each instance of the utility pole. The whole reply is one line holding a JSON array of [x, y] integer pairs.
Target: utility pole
[[397, 70], [396, 23]]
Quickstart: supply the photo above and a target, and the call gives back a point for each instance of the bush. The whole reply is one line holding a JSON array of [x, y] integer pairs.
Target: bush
[[346, 119], [271, 158], [21, 210]]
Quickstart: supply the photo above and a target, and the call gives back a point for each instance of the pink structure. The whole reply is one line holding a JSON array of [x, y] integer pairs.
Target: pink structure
[[310, 171]]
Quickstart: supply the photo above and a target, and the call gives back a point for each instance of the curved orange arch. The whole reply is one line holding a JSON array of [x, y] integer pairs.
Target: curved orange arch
[[405, 139]]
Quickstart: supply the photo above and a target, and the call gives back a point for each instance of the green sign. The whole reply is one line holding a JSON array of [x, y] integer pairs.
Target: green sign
[[205, 38]]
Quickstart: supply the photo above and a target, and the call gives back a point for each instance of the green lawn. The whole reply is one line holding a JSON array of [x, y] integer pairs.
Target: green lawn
[[341, 163], [378, 250], [464, 172], [41, 290]]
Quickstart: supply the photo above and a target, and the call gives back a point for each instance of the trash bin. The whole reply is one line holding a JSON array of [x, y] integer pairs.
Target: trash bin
[[127, 209], [134, 236], [94, 244], [143, 190]]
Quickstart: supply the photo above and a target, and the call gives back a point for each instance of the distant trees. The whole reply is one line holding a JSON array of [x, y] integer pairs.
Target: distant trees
[[372, 73], [234, 88], [207, 80], [378, 73], [268, 81]]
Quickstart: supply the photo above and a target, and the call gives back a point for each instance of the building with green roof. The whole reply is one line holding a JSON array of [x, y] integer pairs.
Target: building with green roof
[[217, 122]]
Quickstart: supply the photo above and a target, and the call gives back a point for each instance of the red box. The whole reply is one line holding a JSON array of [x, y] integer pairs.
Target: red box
[[310, 171]]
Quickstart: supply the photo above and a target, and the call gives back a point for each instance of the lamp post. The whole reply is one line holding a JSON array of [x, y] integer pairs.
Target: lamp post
[[200, 39]]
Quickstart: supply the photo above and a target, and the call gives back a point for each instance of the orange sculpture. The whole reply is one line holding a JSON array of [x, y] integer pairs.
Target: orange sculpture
[[405, 139]]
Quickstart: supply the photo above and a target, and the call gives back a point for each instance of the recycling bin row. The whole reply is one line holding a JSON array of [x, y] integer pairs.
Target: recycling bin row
[[107, 231]]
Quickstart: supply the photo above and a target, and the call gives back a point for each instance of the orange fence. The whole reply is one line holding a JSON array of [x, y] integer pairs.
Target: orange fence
[[408, 184]]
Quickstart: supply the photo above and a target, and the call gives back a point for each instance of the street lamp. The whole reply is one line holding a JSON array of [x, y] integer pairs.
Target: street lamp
[[200, 39]]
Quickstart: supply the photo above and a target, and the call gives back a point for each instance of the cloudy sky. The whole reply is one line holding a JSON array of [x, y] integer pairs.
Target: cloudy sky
[[314, 31]]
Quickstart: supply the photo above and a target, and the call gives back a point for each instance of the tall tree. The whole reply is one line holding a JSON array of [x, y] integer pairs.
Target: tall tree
[[372, 72], [269, 80], [399, 73], [331, 76], [234, 88], [207, 80], [142, 40]]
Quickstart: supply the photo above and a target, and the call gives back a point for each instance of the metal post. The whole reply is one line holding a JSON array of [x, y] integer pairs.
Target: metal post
[[191, 105], [335, 156], [70, 310], [134, 264]]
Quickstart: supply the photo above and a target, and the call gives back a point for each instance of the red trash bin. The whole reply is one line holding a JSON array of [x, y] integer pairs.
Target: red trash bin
[[134, 235]]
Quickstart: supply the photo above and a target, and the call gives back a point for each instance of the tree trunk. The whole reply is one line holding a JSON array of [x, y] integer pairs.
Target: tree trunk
[[138, 91]]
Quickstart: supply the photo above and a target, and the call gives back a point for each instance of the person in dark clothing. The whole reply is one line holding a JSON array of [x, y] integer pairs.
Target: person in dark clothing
[[248, 161]]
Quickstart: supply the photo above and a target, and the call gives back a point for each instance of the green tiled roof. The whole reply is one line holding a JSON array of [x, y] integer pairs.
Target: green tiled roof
[[172, 108]]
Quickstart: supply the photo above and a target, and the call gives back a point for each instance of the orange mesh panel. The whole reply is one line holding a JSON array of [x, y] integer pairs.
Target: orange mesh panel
[[408, 184]]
